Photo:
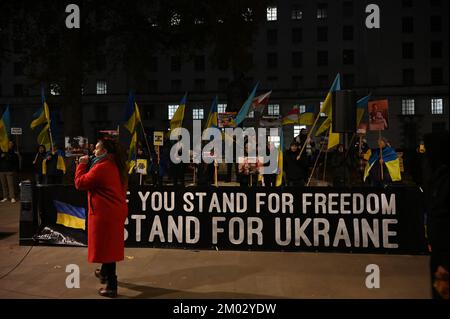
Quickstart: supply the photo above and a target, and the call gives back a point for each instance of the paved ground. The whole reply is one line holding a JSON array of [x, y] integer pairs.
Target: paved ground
[[174, 273]]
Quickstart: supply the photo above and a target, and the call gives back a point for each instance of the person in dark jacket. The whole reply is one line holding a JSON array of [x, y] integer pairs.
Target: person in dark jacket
[[270, 177], [9, 166], [295, 168], [37, 163], [340, 164], [53, 167]]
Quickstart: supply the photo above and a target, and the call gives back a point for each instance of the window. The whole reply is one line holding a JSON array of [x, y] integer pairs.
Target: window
[[298, 128], [348, 80], [175, 64], [297, 82], [175, 85], [101, 87], [272, 13], [322, 34], [18, 90], [407, 3], [18, 68], [436, 49], [272, 37], [297, 35], [437, 106], [322, 81], [407, 25], [322, 58], [438, 127], [408, 50], [101, 112], [297, 59], [348, 57], [435, 24], [347, 33], [408, 107], [275, 139], [251, 114], [322, 11], [152, 86], [347, 9], [408, 76], [54, 89], [272, 60], [221, 108], [222, 84], [154, 64], [199, 63], [197, 114], [171, 109], [175, 19], [436, 76], [199, 84], [273, 109], [296, 12]]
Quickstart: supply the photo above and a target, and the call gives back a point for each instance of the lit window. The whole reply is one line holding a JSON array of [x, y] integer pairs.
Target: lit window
[[175, 19], [221, 108], [302, 109], [275, 139], [408, 107], [322, 11], [172, 108], [248, 15], [197, 114], [271, 13], [101, 87], [437, 106], [273, 109], [296, 13], [251, 114], [297, 129], [55, 89]]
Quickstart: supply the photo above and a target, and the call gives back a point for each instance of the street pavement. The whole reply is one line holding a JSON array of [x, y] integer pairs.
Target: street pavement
[[177, 273]]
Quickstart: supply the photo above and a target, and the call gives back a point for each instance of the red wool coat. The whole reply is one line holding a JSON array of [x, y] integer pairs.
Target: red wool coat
[[107, 210]]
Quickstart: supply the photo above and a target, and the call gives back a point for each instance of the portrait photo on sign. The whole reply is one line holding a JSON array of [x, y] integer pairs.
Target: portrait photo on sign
[[378, 115], [76, 146]]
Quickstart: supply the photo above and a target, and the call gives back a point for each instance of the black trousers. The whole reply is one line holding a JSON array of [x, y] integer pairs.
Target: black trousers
[[109, 271]]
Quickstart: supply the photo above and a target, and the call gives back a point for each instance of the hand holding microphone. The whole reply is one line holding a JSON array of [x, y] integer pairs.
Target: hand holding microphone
[[83, 159]]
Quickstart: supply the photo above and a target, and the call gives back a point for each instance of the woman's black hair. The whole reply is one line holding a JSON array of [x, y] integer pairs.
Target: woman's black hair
[[113, 147]]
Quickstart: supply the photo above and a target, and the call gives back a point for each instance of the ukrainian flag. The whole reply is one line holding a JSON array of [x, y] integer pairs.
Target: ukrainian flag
[[177, 119], [243, 112], [212, 118], [132, 153], [327, 105], [391, 160], [361, 106], [5, 128], [307, 117], [69, 215], [132, 114]]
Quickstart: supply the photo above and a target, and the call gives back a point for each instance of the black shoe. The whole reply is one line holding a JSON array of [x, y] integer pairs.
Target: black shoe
[[99, 275], [107, 292]]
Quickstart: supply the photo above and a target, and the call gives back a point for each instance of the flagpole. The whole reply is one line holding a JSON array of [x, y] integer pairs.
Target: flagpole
[[315, 163], [308, 136], [145, 135]]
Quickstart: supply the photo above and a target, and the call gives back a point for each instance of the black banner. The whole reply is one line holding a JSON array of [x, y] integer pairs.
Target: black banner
[[363, 220]]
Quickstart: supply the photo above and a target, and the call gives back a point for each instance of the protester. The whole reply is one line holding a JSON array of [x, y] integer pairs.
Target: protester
[[296, 169], [9, 166], [37, 163], [105, 180], [53, 167], [340, 164], [383, 167], [364, 154], [205, 172], [155, 167]]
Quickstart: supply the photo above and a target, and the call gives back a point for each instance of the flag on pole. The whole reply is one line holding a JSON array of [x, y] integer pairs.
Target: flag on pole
[[327, 105], [132, 114], [243, 112], [291, 118], [260, 102], [5, 129], [213, 115], [177, 119], [307, 117], [361, 106]]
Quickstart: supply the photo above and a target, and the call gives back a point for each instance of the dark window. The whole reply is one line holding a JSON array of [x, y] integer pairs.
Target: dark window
[[153, 86], [322, 34], [435, 24], [347, 33], [272, 37], [407, 25], [296, 12], [436, 3], [322, 58], [347, 9], [436, 49], [175, 85], [175, 64], [322, 9], [154, 64], [18, 90], [18, 68], [297, 59], [101, 112], [438, 127], [222, 84], [408, 50], [348, 80], [408, 76], [348, 57], [297, 35], [272, 60], [407, 3], [322, 81], [436, 76], [199, 84], [199, 63], [297, 82]]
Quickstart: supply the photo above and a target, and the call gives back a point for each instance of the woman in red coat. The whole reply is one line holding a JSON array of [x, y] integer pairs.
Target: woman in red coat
[[105, 180]]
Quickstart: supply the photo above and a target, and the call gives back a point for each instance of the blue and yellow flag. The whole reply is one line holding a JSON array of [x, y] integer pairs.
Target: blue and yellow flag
[[132, 114], [42, 116], [391, 160], [5, 129], [177, 119], [212, 117], [243, 112], [132, 153], [361, 106], [307, 117], [327, 105], [69, 215]]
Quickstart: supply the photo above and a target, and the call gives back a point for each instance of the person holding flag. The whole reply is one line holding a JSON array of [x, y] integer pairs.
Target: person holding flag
[[383, 166], [9, 160]]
